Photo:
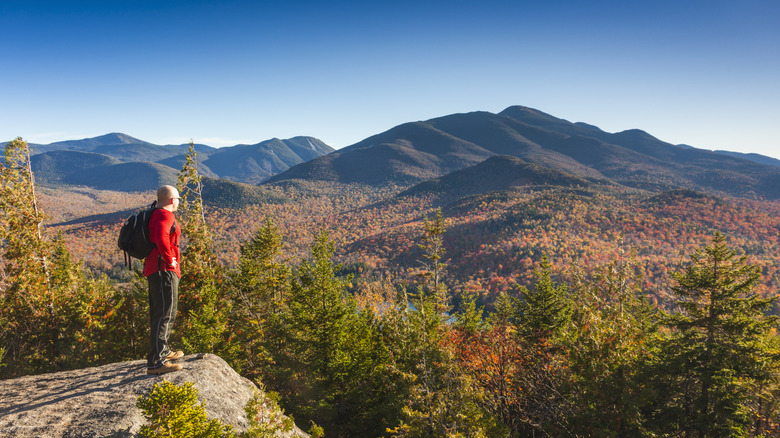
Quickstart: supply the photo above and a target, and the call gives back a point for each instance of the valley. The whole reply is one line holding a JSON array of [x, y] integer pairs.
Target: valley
[[494, 240], [511, 186]]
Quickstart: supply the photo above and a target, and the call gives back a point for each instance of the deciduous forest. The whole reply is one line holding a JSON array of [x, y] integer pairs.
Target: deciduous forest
[[540, 310]]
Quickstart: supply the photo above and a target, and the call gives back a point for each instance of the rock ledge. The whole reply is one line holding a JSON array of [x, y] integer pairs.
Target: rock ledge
[[100, 401]]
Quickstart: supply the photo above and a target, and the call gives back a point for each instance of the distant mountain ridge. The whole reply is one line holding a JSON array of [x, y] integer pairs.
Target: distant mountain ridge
[[497, 173], [120, 162], [758, 158], [414, 152]]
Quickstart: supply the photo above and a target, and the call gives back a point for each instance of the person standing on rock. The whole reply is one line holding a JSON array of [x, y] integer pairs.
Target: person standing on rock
[[161, 269]]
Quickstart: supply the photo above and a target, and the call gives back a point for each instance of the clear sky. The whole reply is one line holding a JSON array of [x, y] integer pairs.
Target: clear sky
[[703, 73]]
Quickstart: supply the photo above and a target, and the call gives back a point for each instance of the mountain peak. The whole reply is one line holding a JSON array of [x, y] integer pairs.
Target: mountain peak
[[637, 133], [516, 111], [533, 116], [117, 138], [112, 139]]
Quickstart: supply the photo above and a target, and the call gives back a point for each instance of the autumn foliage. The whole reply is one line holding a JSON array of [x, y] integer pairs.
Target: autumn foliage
[[533, 311]]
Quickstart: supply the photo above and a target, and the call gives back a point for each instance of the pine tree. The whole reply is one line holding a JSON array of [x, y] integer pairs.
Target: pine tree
[[432, 268], [259, 288], [317, 306], [330, 370], [716, 357], [199, 264], [469, 317], [518, 361], [173, 411], [127, 329], [204, 312], [545, 311], [313, 321], [441, 399], [331, 364], [609, 345]]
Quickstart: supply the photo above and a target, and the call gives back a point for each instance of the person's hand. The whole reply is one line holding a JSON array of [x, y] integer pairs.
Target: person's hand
[[174, 263]]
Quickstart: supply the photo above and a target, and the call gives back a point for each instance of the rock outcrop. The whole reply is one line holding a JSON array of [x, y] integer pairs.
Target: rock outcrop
[[100, 401]]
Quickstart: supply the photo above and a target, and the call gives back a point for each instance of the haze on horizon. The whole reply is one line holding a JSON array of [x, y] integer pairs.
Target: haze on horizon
[[702, 73]]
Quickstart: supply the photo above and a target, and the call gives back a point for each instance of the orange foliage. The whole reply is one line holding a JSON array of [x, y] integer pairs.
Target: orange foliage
[[493, 241]]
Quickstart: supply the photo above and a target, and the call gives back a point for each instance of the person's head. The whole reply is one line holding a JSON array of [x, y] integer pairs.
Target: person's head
[[168, 198]]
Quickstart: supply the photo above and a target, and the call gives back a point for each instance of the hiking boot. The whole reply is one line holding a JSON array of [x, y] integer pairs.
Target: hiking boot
[[173, 356], [165, 368]]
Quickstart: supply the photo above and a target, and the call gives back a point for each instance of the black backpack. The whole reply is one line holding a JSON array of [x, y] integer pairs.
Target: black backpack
[[134, 235]]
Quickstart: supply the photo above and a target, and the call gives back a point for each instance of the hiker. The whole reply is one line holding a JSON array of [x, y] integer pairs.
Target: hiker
[[161, 269]]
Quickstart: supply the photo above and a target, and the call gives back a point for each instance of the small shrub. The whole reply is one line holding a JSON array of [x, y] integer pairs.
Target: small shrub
[[266, 417], [173, 412], [316, 431]]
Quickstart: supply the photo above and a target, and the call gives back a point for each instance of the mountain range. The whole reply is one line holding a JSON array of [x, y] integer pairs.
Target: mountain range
[[417, 152], [123, 163]]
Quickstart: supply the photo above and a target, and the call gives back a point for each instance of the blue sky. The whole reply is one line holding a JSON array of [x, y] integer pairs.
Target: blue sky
[[703, 73]]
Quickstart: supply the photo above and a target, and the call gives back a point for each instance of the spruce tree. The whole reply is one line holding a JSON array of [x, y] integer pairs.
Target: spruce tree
[[717, 356], [441, 399], [519, 360], [545, 311], [173, 411], [199, 264], [203, 310], [609, 343], [331, 368], [128, 328], [259, 287], [469, 317], [432, 268]]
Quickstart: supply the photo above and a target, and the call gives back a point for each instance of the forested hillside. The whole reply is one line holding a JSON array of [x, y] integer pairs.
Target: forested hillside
[[493, 238], [504, 299]]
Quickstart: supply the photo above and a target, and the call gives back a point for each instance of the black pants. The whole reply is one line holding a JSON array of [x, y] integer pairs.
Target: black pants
[[163, 302]]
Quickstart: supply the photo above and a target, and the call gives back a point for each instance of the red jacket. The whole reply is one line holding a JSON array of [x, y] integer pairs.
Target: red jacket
[[160, 225]]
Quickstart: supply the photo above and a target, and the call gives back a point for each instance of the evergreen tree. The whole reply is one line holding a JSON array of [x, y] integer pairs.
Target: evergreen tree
[[81, 306], [717, 356], [441, 399], [199, 264], [203, 310], [545, 311], [127, 331], [317, 306], [173, 411], [259, 288], [469, 317], [25, 252], [609, 345], [52, 315], [432, 268], [26, 300], [518, 361], [332, 366]]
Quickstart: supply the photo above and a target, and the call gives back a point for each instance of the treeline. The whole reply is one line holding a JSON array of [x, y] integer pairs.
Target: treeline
[[586, 354]]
